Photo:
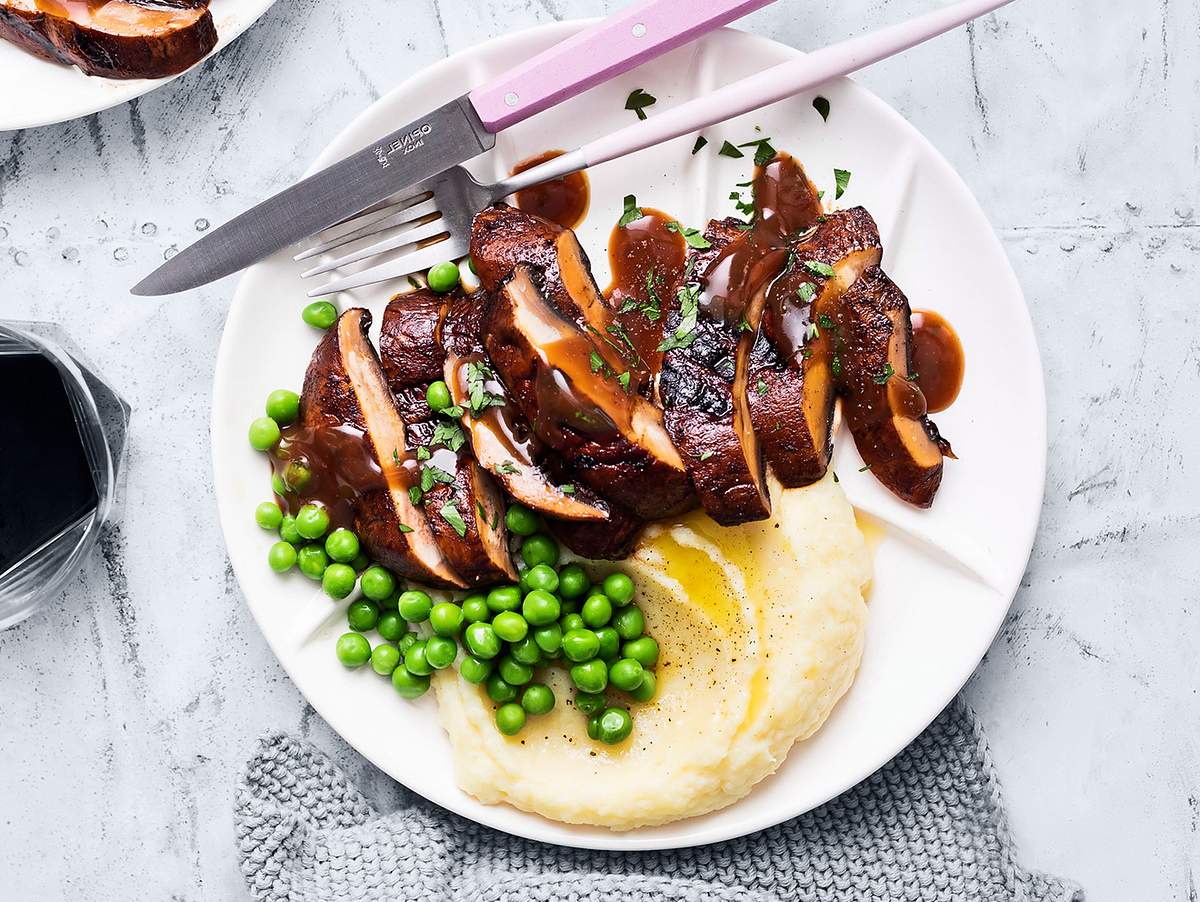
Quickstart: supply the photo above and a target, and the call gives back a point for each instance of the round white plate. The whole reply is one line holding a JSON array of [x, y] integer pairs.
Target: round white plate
[[944, 578], [55, 93]]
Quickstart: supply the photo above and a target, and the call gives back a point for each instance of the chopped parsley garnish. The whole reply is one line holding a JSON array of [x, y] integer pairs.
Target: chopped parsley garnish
[[449, 434], [404, 527], [700, 142], [812, 333], [706, 455], [864, 469], [507, 468], [638, 100], [451, 515], [631, 213], [912, 377], [693, 237], [841, 178], [728, 150], [836, 364], [744, 325], [396, 458], [567, 489], [652, 309], [482, 512], [821, 105], [623, 379], [597, 362], [761, 388], [882, 377], [685, 332], [763, 152], [415, 494], [431, 474], [835, 479], [619, 331], [825, 321], [480, 398], [807, 292], [414, 284], [818, 268], [423, 453], [454, 411], [743, 206]]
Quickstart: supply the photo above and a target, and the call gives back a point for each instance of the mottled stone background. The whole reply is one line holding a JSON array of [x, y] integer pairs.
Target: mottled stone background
[[128, 707]]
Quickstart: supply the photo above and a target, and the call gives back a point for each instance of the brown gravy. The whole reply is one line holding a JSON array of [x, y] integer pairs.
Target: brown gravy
[[340, 463], [937, 359], [562, 200]]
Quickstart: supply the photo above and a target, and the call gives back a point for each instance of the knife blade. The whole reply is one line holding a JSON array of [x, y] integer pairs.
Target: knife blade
[[449, 135]]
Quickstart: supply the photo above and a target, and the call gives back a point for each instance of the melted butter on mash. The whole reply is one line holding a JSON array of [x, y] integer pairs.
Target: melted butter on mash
[[761, 632]]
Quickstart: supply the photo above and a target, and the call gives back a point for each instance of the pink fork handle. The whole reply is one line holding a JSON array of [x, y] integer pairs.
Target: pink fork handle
[[621, 42]]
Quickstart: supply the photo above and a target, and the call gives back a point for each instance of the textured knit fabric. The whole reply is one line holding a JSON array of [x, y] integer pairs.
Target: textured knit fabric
[[928, 826]]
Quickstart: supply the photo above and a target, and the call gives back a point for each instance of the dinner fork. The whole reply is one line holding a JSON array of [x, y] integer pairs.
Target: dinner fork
[[434, 219]]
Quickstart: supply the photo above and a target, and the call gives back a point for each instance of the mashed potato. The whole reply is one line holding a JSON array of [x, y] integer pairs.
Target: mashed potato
[[761, 631]]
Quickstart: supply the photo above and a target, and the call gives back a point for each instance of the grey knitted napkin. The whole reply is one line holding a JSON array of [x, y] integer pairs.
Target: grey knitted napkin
[[928, 826]]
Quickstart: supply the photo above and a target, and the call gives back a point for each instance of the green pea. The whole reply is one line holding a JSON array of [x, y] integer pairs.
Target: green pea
[[361, 563], [408, 684], [573, 581], [580, 645], [498, 690], [391, 626], [407, 641], [474, 670], [593, 725], [549, 639], [514, 672], [384, 659], [296, 476], [591, 676], [475, 609], [626, 674], [542, 577], [338, 581], [437, 396], [526, 652], [342, 546], [615, 726], [520, 520], [510, 626], [481, 640], [539, 549], [523, 580], [540, 608], [415, 660], [503, 598], [268, 515], [590, 702], [440, 652], [392, 602], [570, 605], [630, 623], [282, 557], [537, 698], [277, 485], [320, 314], [263, 434], [619, 588], [446, 618], [353, 649], [362, 616], [443, 277], [610, 644], [645, 692], [415, 605], [283, 406], [571, 622], [510, 719], [288, 531], [377, 583], [312, 521], [471, 266], [312, 561], [597, 611], [643, 650]]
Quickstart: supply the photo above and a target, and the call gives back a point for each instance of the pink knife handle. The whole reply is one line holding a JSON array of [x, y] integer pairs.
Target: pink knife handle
[[621, 42]]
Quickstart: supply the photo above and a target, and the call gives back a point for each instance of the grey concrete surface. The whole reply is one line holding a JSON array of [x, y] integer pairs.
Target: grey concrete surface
[[128, 706]]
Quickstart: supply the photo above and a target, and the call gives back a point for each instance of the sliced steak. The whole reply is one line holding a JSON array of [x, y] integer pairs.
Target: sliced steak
[[609, 436], [462, 504], [883, 406], [345, 391], [115, 39]]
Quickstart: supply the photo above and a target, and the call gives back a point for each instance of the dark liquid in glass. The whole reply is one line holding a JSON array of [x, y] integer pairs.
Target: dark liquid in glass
[[46, 483]]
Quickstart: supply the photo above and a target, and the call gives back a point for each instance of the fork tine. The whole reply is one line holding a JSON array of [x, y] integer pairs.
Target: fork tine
[[392, 220], [447, 249], [408, 236]]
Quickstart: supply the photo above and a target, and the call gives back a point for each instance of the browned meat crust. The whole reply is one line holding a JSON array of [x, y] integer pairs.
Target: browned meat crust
[[117, 39], [609, 541]]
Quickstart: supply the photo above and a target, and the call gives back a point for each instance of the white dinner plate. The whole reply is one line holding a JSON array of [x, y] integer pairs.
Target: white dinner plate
[[52, 92], [944, 578]]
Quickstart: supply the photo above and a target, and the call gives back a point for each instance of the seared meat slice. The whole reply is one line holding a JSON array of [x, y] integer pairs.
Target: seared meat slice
[[791, 378], [883, 407], [704, 373], [463, 506], [503, 238], [501, 439], [613, 540], [345, 389], [607, 434], [115, 39]]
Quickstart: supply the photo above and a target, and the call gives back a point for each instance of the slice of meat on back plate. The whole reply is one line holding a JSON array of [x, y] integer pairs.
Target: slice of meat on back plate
[[345, 388], [609, 436], [462, 503], [791, 378], [115, 39], [501, 438], [883, 406]]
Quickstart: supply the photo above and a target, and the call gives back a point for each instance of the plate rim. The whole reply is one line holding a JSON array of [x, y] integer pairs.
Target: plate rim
[[628, 840]]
